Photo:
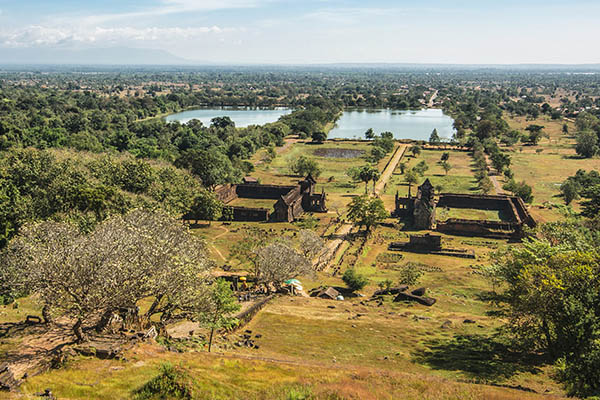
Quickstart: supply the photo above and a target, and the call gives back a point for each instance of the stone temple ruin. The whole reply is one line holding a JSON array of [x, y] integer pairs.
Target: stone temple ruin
[[422, 211], [291, 201]]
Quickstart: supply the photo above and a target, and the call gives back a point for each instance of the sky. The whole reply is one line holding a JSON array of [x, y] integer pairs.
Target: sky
[[315, 31]]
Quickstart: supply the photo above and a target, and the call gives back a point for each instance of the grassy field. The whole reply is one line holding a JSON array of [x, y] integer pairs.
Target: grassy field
[[458, 180], [547, 165], [443, 214]]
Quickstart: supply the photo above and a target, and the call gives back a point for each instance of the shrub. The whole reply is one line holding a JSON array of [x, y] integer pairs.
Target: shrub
[[353, 280], [410, 275], [171, 383]]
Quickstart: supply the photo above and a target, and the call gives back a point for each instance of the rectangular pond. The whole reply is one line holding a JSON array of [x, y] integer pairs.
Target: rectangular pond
[[403, 124], [242, 117]]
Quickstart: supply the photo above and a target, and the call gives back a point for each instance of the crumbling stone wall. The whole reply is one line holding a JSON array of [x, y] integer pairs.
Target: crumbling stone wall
[[254, 191], [250, 214], [226, 193], [482, 228]]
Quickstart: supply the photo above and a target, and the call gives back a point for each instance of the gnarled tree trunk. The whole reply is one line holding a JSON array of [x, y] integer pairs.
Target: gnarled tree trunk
[[78, 330], [46, 314]]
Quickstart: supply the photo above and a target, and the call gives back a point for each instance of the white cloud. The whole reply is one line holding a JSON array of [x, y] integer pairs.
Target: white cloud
[[175, 7], [37, 35]]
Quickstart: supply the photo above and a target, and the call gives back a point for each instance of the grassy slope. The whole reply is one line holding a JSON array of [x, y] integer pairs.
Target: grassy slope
[[218, 377]]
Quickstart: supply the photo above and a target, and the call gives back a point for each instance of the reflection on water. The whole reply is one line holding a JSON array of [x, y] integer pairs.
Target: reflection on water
[[403, 124], [241, 116]]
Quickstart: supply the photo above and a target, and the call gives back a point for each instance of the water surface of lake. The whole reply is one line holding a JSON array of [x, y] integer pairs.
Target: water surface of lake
[[403, 124], [242, 117]]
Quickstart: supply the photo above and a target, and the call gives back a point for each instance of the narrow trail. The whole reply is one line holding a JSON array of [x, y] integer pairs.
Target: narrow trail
[[288, 143], [494, 178], [225, 231]]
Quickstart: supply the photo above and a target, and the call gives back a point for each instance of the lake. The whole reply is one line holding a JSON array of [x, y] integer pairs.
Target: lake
[[403, 124], [241, 116]]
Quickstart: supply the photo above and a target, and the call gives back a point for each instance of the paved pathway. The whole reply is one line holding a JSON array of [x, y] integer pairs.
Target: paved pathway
[[390, 168], [433, 97]]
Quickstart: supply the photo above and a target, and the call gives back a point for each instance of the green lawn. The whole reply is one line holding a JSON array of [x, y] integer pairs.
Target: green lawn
[[458, 180]]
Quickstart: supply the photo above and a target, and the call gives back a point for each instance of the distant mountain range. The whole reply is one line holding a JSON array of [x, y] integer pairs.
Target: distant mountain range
[[124, 56], [100, 56]]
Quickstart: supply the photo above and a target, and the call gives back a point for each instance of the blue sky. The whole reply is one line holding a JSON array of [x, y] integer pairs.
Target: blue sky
[[315, 31]]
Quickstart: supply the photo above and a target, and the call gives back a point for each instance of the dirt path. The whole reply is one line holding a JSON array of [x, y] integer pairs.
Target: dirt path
[[288, 143], [334, 246], [390, 168], [433, 97], [215, 238], [494, 178], [497, 186]]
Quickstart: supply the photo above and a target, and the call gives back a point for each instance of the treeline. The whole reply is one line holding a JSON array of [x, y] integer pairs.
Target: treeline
[[44, 118], [587, 135], [584, 185], [86, 188]]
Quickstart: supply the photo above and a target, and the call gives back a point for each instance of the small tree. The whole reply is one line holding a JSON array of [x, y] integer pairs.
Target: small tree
[[402, 166], [311, 245], [570, 191], [587, 144], [434, 138], [412, 178], [206, 206], [485, 184], [445, 156], [500, 161], [278, 262], [366, 211], [354, 280], [221, 303], [319, 136], [591, 205], [368, 173], [520, 189], [446, 166], [415, 150], [304, 166], [535, 133], [376, 154], [369, 134], [421, 167], [246, 249]]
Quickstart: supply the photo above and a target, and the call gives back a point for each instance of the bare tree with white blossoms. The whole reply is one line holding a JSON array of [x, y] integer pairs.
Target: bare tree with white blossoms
[[125, 259]]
